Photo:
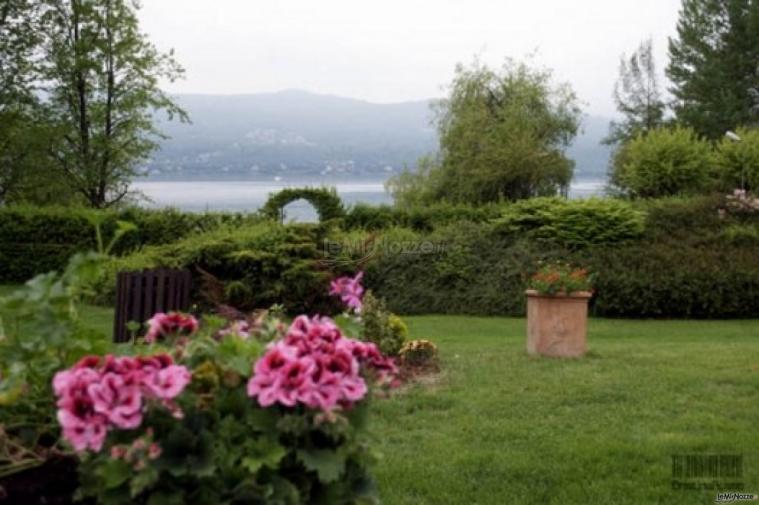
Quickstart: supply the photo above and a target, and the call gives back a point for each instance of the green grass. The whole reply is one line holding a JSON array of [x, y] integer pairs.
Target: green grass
[[99, 318], [499, 427]]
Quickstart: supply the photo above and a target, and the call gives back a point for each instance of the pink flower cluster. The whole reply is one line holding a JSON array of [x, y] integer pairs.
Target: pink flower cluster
[[315, 365], [173, 323], [349, 289], [240, 328], [98, 394]]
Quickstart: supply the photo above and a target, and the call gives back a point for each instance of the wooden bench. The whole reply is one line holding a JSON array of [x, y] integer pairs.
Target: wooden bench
[[139, 295]]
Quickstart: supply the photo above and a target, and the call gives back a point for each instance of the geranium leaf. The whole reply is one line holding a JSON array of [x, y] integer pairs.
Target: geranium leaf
[[263, 452], [142, 481], [114, 473], [328, 464]]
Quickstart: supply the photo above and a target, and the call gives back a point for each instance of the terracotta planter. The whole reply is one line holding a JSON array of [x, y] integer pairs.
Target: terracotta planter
[[557, 325]]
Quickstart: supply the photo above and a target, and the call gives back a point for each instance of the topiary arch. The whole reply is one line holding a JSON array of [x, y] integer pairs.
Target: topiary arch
[[325, 200]]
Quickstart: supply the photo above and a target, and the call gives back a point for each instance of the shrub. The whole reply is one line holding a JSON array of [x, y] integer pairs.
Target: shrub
[[683, 218], [738, 162], [421, 218], [574, 223], [40, 333], [676, 280], [256, 265], [662, 162], [745, 235], [467, 269], [381, 327], [419, 353]]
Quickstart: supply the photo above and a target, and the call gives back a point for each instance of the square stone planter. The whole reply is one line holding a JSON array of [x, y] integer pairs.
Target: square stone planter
[[557, 325]]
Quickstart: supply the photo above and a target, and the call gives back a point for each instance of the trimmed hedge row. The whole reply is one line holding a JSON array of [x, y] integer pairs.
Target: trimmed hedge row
[[34, 240], [669, 258]]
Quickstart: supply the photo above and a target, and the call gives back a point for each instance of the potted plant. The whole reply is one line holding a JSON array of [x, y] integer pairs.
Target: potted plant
[[557, 311]]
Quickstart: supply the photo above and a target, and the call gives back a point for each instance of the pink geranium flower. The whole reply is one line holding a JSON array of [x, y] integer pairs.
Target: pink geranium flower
[[168, 382], [118, 399], [173, 323], [349, 289], [85, 432], [100, 394], [316, 366]]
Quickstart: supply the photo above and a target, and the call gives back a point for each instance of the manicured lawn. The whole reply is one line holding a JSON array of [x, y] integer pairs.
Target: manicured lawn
[[498, 427]]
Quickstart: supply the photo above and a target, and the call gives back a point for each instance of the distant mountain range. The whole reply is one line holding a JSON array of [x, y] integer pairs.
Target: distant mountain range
[[300, 136]]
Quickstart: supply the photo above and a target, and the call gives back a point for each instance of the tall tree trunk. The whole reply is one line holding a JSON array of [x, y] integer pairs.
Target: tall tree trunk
[[82, 103]]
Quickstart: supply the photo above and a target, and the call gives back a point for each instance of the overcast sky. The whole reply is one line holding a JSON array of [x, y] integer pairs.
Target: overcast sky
[[398, 50]]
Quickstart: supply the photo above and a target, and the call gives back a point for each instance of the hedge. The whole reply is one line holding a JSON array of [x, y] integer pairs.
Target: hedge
[[664, 258], [249, 266], [34, 240]]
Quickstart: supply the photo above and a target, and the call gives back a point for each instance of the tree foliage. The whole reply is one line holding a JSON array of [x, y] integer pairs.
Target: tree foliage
[[666, 161], [101, 77], [18, 38], [713, 65], [637, 96], [502, 136]]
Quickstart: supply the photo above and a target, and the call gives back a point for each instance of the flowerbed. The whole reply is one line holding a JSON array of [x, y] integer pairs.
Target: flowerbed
[[211, 411]]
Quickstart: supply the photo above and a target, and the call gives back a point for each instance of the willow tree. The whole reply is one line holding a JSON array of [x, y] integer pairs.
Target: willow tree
[[103, 81], [503, 135]]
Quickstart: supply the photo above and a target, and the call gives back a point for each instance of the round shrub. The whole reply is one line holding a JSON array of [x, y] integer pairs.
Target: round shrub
[[666, 161], [737, 162]]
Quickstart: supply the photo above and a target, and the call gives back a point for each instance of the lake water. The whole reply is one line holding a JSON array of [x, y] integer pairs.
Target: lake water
[[240, 196]]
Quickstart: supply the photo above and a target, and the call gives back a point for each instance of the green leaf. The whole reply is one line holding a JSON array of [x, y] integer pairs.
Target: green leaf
[[143, 480], [114, 472], [328, 464], [263, 452], [166, 498]]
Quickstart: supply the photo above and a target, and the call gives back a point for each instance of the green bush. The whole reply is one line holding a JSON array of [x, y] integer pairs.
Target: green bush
[[466, 268], [35, 240], [381, 327], [738, 162], [668, 280], [746, 235], [250, 266], [422, 218], [663, 162], [574, 223]]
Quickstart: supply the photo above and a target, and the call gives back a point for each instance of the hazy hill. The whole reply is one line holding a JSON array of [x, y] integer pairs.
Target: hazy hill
[[300, 135]]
